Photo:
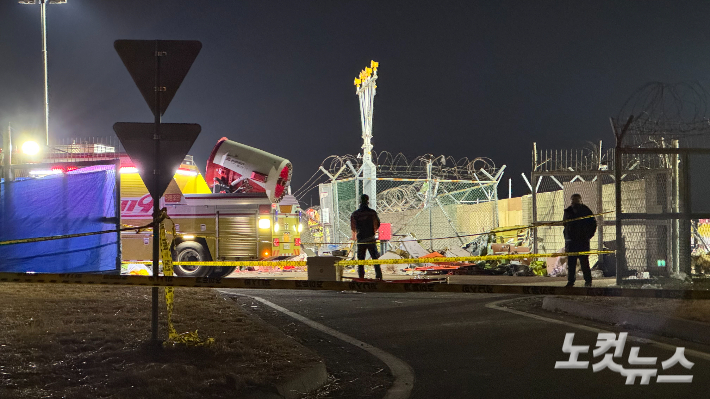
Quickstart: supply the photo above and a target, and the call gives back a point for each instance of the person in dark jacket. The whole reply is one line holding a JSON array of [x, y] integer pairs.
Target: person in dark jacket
[[577, 235], [364, 223]]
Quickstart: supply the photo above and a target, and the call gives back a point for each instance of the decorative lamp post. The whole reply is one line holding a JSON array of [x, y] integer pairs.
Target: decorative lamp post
[[366, 90]]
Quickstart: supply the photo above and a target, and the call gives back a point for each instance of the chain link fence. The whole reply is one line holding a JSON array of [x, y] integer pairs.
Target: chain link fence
[[439, 200], [662, 158], [553, 196], [442, 214], [648, 247]]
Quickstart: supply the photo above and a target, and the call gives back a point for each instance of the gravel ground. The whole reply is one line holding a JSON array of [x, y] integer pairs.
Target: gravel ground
[[62, 341]]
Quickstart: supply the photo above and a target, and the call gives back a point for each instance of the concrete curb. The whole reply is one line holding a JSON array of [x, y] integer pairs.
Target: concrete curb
[[687, 330], [311, 378]]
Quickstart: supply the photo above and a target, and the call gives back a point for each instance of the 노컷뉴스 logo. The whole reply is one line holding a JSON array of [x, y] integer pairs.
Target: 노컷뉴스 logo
[[606, 341]]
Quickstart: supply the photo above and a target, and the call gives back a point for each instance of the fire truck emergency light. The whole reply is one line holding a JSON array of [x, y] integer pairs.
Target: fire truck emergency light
[[238, 168]]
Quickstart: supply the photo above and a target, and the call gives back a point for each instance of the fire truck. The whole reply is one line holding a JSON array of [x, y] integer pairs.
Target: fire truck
[[242, 211]]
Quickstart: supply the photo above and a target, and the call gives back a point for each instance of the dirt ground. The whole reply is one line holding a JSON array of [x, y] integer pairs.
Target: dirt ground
[[62, 341], [698, 310]]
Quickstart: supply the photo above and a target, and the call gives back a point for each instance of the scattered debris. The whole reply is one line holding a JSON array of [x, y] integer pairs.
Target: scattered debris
[[394, 269], [136, 269], [478, 246], [410, 244], [456, 252]]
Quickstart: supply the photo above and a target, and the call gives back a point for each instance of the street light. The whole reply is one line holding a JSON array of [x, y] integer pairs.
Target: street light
[[30, 148], [43, 12]]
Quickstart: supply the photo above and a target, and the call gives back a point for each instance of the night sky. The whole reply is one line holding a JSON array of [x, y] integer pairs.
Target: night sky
[[465, 79]]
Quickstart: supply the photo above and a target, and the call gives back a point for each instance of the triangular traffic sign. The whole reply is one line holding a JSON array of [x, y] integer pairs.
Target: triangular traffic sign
[[176, 140], [141, 58]]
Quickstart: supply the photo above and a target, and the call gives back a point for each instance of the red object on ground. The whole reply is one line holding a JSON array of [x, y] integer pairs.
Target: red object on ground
[[408, 281], [385, 231], [432, 255]]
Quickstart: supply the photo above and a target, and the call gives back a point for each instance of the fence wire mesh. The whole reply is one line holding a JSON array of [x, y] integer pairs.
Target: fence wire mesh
[[437, 199], [647, 244], [553, 196], [441, 214], [651, 244]]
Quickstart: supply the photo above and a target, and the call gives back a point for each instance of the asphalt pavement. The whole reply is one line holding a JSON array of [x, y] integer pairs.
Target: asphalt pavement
[[457, 347]]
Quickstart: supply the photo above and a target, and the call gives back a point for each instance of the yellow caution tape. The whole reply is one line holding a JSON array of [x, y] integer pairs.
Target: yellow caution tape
[[465, 258], [65, 236], [374, 286], [391, 261], [230, 263], [125, 227], [244, 263], [188, 338], [515, 228]]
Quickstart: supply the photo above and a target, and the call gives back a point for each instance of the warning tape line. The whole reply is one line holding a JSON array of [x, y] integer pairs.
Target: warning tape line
[[229, 263], [465, 258], [495, 231], [388, 287], [160, 217], [243, 263], [189, 338], [65, 236], [389, 261]]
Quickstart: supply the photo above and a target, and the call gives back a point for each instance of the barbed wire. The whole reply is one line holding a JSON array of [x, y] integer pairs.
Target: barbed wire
[[398, 166], [401, 198], [665, 112]]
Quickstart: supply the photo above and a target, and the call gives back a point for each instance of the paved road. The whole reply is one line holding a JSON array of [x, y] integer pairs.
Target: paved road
[[460, 348]]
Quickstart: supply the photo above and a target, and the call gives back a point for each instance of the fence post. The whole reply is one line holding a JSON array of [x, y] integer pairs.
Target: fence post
[[533, 188], [675, 179], [684, 261], [600, 209], [620, 252]]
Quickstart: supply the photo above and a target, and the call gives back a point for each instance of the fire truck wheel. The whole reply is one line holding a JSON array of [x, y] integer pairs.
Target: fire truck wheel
[[218, 272], [190, 252]]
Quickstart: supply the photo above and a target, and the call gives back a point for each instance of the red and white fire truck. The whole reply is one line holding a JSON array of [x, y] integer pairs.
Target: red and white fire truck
[[241, 212]]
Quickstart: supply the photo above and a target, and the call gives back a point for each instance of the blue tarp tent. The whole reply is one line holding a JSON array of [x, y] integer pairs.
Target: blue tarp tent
[[80, 201]]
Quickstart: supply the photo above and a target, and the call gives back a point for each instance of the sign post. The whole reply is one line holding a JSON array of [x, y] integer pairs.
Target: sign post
[[158, 67]]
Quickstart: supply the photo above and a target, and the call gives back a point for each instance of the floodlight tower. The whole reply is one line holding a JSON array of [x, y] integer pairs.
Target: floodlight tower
[[366, 90], [43, 16]]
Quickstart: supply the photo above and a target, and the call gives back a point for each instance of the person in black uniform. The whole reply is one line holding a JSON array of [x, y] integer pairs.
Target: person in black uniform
[[364, 223], [577, 235]]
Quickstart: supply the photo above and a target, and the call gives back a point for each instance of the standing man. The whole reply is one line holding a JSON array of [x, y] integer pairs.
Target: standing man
[[364, 223], [577, 235]]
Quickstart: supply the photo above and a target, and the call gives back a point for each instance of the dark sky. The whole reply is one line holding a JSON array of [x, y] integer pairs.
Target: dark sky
[[460, 78]]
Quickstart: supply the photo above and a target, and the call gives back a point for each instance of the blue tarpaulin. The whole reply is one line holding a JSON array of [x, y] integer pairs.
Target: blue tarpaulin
[[81, 201]]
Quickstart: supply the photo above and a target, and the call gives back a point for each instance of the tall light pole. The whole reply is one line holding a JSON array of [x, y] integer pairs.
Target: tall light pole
[[7, 154], [43, 12]]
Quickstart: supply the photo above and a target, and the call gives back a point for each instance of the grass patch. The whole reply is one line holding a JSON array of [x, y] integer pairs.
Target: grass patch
[[70, 341]]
